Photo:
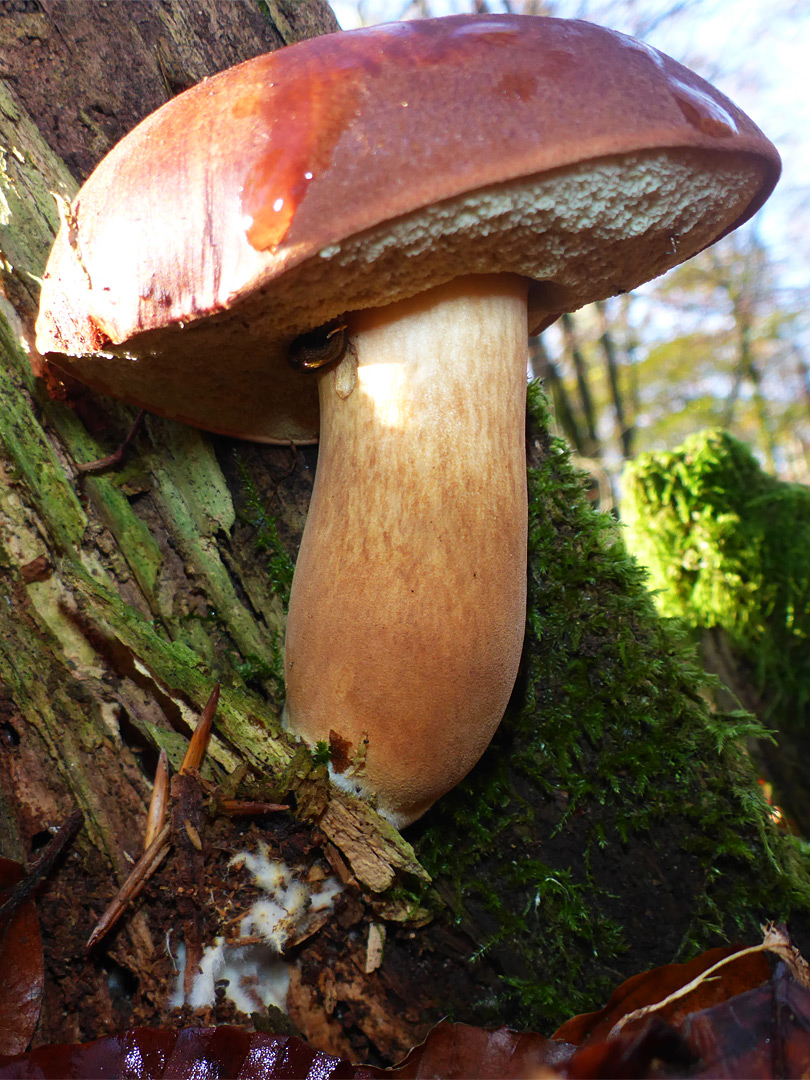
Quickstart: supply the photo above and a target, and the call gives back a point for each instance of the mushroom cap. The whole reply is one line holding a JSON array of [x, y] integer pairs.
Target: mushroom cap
[[356, 169]]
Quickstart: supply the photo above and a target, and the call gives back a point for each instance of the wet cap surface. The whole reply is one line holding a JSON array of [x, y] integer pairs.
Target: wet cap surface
[[360, 168]]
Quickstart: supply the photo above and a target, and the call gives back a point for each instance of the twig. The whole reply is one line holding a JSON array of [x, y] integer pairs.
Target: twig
[[117, 456], [239, 808], [158, 831], [198, 743], [43, 866], [140, 874], [156, 817]]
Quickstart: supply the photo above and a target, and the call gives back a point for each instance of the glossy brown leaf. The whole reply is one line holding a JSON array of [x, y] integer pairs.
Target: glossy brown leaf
[[653, 986], [450, 1051], [461, 1052], [22, 970], [191, 1054], [764, 1033], [635, 1054], [760, 1034]]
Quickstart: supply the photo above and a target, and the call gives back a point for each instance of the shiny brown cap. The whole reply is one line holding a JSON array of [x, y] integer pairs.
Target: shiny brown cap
[[355, 169]]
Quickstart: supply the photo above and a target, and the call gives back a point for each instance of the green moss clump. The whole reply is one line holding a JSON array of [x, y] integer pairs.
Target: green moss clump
[[322, 753], [726, 545], [615, 823]]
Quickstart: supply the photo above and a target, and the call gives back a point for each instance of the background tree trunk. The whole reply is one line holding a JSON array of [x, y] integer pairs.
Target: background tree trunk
[[612, 824], [781, 759]]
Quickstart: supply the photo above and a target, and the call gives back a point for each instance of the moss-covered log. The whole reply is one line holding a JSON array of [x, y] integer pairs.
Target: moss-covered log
[[727, 545], [615, 822]]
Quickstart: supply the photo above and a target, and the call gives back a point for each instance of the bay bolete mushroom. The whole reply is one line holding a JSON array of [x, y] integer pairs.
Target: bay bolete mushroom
[[420, 195]]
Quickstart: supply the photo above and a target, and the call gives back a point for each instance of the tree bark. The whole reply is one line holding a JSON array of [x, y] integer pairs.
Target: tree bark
[[130, 592], [604, 816], [624, 430], [781, 760], [591, 447], [544, 368]]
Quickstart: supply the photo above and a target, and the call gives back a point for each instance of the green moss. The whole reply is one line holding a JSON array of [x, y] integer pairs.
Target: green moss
[[280, 567], [616, 823], [34, 459], [243, 718], [726, 545], [254, 668], [322, 754]]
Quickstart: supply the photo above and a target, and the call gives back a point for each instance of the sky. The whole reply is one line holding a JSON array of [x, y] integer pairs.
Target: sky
[[755, 51]]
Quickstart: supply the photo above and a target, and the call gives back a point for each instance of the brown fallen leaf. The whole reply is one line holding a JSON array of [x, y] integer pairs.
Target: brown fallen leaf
[[651, 1049], [461, 1052], [190, 1054], [775, 941], [760, 1035], [451, 1051], [652, 986], [22, 968]]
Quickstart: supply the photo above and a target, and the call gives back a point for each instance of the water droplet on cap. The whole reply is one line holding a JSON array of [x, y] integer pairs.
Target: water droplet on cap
[[702, 111], [485, 27], [301, 120], [641, 47]]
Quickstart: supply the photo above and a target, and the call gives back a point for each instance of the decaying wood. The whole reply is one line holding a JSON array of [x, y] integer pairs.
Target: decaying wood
[[375, 851], [127, 593]]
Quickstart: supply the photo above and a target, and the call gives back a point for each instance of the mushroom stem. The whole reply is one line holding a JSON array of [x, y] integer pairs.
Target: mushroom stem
[[408, 604]]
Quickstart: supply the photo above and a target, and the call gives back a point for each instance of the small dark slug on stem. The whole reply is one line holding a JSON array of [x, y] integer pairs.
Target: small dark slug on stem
[[320, 347]]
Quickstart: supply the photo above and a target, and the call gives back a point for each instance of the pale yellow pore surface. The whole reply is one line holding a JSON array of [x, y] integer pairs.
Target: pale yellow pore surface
[[408, 604]]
